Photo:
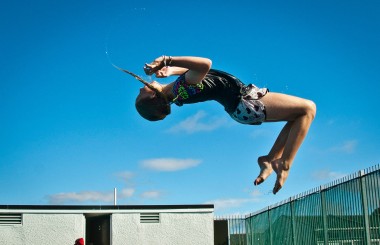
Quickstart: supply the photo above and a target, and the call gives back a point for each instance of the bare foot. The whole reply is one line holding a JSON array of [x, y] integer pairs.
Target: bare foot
[[282, 174], [265, 169]]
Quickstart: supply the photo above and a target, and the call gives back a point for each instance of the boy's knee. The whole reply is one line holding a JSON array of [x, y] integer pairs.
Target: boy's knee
[[311, 109]]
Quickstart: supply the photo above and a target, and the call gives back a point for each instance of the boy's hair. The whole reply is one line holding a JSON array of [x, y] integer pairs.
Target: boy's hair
[[153, 108]]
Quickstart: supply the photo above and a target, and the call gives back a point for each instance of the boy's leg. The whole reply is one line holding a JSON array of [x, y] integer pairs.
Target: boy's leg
[[301, 112]]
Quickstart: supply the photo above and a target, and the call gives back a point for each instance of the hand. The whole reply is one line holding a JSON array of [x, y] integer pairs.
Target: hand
[[164, 72], [155, 66]]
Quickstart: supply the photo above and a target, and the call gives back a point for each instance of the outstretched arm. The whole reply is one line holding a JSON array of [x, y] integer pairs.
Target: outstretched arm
[[197, 66], [168, 71]]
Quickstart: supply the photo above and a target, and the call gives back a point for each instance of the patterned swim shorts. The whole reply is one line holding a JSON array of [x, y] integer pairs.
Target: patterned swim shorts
[[250, 109]]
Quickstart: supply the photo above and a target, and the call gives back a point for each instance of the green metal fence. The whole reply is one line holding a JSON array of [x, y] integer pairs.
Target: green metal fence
[[346, 211]]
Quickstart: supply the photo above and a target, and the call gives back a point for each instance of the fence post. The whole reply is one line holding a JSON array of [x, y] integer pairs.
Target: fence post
[[248, 230], [324, 216], [365, 208], [270, 227], [293, 220]]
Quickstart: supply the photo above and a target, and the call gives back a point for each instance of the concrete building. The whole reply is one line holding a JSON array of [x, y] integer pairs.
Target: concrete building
[[107, 225]]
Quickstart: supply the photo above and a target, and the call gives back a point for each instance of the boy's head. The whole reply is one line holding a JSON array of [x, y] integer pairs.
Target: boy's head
[[151, 103]]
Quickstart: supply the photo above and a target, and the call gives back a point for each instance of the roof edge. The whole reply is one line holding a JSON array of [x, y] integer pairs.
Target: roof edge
[[104, 207]]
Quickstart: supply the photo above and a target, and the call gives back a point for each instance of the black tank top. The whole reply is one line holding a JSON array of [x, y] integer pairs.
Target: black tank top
[[217, 85]]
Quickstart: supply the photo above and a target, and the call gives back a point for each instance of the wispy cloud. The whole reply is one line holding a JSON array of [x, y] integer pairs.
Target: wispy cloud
[[125, 193], [151, 194], [223, 204], [196, 123], [169, 164], [347, 147], [125, 176], [327, 175], [256, 193], [88, 196]]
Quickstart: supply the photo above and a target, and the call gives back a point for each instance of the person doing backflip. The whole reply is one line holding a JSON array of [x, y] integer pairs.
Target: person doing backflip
[[246, 104]]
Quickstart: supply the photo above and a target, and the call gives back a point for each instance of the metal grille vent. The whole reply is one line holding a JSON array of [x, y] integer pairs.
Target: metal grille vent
[[150, 218], [10, 219]]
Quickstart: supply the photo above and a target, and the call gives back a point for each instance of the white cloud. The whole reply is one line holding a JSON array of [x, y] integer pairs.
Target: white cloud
[[83, 196], [169, 164], [327, 175], [193, 124], [347, 147], [125, 176], [125, 193], [151, 194], [87, 196], [256, 193], [222, 204]]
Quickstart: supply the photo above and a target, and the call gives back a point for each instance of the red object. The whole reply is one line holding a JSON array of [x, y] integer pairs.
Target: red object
[[79, 241]]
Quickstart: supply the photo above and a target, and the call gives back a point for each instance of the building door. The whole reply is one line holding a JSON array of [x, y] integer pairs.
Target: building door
[[98, 230]]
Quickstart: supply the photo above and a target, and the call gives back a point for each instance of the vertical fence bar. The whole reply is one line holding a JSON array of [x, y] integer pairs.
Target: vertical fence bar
[[292, 217], [324, 216], [374, 191], [248, 230], [270, 228], [240, 231], [364, 200], [375, 217], [251, 231], [230, 229]]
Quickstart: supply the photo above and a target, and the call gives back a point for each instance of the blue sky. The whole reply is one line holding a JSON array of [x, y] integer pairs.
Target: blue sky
[[69, 132]]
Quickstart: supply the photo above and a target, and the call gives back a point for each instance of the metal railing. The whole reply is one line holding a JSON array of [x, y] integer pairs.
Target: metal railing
[[236, 229], [346, 211]]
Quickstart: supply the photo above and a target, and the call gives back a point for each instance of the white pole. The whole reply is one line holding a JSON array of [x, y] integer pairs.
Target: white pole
[[114, 197]]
